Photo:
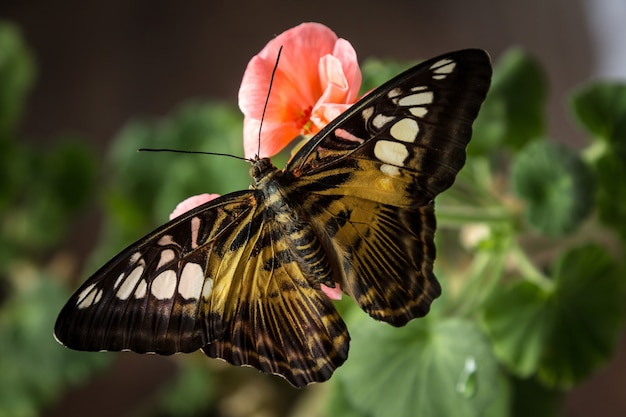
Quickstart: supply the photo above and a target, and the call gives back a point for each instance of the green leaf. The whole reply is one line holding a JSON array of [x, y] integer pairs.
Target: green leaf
[[611, 197], [17, 72], [71, 173], [514, 111], [557, 186], [428, 368], [588, 306], [337, 403], [518, 319], [144, 188], [600, 107], [561, 332]]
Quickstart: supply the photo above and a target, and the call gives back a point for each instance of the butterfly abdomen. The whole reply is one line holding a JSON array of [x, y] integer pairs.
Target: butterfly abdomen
[[304, 246]]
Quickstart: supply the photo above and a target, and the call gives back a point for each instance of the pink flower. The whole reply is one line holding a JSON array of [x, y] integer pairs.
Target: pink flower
[[191, 203], [317, 78]]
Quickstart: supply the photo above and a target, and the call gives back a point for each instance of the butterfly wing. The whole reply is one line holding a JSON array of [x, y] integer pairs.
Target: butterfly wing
[[206, 280], [155, 295], [369, 178]]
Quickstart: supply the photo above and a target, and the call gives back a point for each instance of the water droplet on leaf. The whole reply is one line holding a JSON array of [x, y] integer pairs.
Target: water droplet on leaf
[[467, 380]]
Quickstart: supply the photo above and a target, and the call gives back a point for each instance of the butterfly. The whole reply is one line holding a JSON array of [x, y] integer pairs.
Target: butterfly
[[239, 277]]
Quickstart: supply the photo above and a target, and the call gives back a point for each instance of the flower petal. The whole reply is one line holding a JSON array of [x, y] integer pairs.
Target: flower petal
[[332, 293], [191, 203], [276, 135]]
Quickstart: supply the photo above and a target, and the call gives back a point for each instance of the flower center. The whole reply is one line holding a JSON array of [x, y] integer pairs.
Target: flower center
[[304, 120]]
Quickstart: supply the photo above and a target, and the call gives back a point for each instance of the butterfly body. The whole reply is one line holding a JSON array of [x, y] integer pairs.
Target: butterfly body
[[240, 277]]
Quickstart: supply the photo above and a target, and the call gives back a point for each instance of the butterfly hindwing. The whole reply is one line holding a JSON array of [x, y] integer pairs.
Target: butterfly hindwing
[[383, 255], [240, 277]]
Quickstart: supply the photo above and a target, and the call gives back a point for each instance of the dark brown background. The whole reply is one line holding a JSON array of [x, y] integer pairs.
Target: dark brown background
[[102, 63]]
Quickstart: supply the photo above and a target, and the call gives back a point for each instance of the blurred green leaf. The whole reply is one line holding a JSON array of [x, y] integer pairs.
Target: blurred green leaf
[[514, 111], [611, 197], [144, 188], [561, 332], [518, 319], [428, 368], [556, 184], [71, 170], [588, 306], [338, 404], [17, 72], [158, 181], [46, 190], [600, 107], [376, 72]]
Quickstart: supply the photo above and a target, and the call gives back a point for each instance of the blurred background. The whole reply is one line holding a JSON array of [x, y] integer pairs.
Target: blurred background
[[101, 64]]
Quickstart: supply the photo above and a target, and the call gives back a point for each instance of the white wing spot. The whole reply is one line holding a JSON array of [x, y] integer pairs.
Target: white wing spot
[[166, 240], [195, 227], [367, 113], [417, 99], [206, 290], [118, 281], [419, 88], [191, 280], [89, 296], [134, 258], [443, 68], [418, 111], [405, 130], [164, 285], [167, 256], [391, 170], [393, 153], [381, 120], [394, 93], [128, 285], [142, 289]]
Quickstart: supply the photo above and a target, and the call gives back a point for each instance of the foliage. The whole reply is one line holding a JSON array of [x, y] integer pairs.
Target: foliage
[[531, 242], [42, 190]]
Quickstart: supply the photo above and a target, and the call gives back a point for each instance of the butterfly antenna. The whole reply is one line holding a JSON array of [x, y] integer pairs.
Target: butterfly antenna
[[191, 152], [267, 99]]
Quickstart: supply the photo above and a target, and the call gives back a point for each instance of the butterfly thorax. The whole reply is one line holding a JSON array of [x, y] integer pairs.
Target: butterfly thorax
[[289, 222]]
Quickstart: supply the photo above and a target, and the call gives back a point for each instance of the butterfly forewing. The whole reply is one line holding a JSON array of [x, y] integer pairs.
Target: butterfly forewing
[[154, 296], [419, 122], [240, 277]]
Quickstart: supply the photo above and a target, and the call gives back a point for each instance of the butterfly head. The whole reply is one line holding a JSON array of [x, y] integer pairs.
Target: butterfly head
[[261, 170]]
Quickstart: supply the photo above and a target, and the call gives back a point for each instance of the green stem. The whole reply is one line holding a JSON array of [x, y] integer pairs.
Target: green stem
[[450, 215]]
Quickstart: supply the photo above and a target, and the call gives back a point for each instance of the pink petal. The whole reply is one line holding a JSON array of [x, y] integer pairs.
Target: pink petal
[[191, 203], [276, 135], [332, 293]]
